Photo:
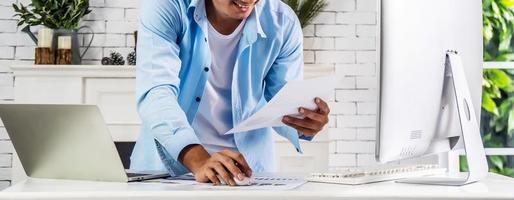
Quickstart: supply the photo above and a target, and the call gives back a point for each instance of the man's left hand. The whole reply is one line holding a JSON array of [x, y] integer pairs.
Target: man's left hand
[[313, 121]]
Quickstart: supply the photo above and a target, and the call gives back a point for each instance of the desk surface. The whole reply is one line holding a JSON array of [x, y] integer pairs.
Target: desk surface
[[494, 187]]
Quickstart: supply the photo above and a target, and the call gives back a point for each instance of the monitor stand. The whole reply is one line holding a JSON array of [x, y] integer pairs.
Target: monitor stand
[[473, 146]]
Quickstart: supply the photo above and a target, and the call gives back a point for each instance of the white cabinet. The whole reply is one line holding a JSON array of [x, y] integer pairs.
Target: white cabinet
[[116, 99], [53, 90], [112, 88]]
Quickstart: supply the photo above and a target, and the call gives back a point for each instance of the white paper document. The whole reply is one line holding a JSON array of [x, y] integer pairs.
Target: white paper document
[[259, 181], [293, 95]]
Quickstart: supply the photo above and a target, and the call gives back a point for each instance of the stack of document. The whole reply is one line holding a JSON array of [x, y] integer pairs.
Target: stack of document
[[259, 181]]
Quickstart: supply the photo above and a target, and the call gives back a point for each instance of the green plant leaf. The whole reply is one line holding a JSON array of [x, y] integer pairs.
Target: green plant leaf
[[53, 13], [510, 127], [496, 161], [508, 172], [507, 3], [306, 10], [463, 163], [488, 104], [500, 78]]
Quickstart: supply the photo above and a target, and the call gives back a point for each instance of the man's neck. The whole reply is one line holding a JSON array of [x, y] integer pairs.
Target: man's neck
[[221, 23]]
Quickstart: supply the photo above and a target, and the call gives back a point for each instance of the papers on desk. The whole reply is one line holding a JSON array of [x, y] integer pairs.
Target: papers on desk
[[292, 96], [259, 182]]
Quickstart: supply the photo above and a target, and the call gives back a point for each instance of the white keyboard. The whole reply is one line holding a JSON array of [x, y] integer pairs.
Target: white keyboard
[[355, 176]]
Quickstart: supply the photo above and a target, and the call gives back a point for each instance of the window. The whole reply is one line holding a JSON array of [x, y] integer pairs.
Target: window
[[497, 114]]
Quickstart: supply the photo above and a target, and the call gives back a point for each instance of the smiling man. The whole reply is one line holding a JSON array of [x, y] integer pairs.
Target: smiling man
[[206, 65]]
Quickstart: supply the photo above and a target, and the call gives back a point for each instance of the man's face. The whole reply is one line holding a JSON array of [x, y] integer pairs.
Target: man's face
[[235, 9]]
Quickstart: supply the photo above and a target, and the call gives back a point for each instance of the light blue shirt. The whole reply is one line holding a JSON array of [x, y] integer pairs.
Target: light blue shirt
[[172, 69]]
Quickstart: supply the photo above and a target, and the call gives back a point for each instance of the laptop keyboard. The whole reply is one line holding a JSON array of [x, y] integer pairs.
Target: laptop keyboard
[[135, 174]]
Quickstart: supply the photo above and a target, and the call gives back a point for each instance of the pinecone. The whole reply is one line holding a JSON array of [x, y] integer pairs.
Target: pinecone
[[106, 61], [131, 58], [117, 58]]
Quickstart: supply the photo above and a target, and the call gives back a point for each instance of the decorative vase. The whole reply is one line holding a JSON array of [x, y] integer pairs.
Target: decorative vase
[[75, 46]]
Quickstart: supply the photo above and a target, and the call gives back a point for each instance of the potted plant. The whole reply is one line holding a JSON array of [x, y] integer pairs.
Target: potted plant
[[63, 16]]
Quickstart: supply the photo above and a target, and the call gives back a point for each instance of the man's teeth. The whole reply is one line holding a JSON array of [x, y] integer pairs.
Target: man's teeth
[[241, 6]]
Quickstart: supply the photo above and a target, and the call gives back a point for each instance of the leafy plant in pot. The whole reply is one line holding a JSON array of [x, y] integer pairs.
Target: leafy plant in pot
[[63, 16]]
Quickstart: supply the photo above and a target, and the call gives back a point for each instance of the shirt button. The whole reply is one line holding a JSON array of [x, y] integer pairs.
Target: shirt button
[[206, 69], [205, 39], [198, 99]]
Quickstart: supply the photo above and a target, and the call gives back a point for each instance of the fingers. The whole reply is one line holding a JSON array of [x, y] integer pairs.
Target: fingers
[[229, 164], [211, 175], [322, 106], [313, 115], [240, 162], [304, 123], [313, 122], [222, 172], [222, 167], [303, 130]]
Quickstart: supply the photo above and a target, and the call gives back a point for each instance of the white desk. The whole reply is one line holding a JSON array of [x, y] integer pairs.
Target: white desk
[[494, 187]]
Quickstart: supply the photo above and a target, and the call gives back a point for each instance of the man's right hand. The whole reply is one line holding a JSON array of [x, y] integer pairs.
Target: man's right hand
[[227, 164]]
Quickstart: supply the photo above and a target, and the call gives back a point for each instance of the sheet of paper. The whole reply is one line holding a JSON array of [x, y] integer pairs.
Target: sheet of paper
[[260, 181], [292, 96]]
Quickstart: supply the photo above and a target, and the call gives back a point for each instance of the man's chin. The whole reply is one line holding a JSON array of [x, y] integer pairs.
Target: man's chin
[[241, 16]]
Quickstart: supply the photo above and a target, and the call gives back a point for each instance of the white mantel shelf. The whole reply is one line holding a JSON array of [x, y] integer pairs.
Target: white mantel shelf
[[107, 71]]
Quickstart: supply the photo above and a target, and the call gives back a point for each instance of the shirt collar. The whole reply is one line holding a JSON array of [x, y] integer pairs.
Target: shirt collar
[[252, 27]]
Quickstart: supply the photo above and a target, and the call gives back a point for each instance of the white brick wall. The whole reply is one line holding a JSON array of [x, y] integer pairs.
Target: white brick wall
[[6, 151], [343, 38], [341, 41]]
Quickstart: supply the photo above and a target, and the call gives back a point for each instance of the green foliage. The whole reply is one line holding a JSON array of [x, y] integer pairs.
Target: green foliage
[[496, 165], [498, 26], [497, 118], [306, 10], [53, 14]]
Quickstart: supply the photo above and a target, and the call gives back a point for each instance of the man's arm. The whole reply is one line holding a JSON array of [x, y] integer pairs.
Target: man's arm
[[287, 67], [157, 77]]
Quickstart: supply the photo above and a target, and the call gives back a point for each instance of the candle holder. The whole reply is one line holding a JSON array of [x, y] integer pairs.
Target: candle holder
[[44, 56], [64, 53], [64, 57], [43, 52]]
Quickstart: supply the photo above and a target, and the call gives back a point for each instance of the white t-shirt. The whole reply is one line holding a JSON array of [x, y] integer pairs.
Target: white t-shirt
[[214, 115]]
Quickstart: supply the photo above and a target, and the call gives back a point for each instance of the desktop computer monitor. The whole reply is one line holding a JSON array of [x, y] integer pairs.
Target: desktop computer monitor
[[430, 58]]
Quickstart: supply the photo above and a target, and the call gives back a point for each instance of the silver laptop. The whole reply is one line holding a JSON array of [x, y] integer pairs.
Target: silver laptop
[[66, 142]]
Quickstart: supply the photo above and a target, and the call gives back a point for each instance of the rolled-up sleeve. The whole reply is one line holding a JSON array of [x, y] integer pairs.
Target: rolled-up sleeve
[[158, 82], [287, 67]]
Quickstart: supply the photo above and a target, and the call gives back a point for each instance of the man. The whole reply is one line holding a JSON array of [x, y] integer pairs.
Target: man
[[206, 65]]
